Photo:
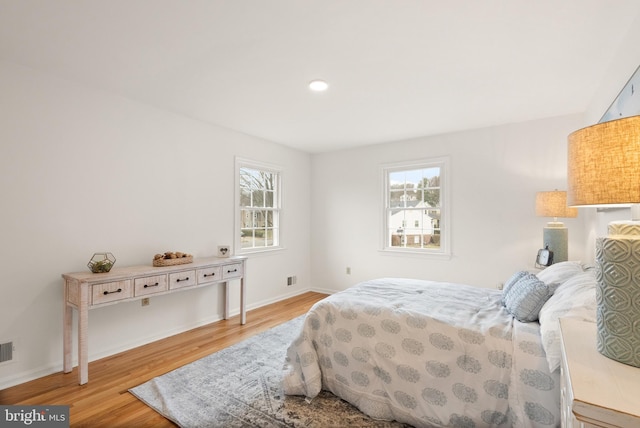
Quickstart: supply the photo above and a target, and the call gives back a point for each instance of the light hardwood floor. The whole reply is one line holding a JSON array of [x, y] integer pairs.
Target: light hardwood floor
[[105, 400]]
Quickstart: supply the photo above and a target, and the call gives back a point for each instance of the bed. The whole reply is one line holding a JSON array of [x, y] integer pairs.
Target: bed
[[442, 354]]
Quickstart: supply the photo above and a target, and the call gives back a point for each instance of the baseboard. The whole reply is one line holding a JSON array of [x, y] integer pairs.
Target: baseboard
[[17, 379], [322, 290]]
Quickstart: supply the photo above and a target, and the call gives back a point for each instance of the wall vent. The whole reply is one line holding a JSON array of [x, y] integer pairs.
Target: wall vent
[[6, 352]]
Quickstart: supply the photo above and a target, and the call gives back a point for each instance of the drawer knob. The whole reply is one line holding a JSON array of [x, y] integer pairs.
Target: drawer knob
[[119, 290], [184, 279], [209, 274], [151, 285], [231, 271]]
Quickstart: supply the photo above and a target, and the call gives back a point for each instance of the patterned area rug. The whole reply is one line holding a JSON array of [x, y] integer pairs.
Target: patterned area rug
[[240, 387]]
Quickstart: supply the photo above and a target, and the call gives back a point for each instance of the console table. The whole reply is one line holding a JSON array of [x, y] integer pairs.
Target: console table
[[86, 290]]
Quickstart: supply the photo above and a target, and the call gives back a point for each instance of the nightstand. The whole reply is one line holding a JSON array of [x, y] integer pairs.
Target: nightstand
[[595, 390]]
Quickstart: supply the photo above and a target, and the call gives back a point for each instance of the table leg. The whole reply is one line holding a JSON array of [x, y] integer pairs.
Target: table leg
[[243, 313], [226, 300], [67, 327], [83, 332]]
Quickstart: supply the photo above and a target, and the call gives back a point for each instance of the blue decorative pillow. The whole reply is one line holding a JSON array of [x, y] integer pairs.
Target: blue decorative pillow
[[510, 282], [525, 297]]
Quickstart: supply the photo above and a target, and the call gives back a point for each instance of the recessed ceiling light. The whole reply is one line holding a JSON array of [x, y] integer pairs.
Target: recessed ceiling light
[[318, 85]]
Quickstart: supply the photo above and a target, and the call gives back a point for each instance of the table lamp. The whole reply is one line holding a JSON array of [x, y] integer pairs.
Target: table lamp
[[604, 169], [555, 235]]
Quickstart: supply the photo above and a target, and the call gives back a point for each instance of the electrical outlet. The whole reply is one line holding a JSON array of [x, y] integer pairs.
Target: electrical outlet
[[500, 286], [291, 280], [348, 270], [145, 301]]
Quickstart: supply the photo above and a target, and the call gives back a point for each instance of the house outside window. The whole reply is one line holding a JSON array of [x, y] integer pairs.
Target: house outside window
[[257, 206], [416, 194]]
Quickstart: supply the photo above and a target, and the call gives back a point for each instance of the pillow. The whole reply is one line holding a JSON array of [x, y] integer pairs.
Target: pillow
[[558, 273], [575, 298], [507, 285], [525, 297]]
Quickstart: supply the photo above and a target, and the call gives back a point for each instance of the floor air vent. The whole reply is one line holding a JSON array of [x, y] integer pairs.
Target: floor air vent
[[6, 352]]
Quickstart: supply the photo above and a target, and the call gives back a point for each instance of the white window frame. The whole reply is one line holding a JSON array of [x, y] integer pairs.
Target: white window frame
[[444, 251], [277, 210]]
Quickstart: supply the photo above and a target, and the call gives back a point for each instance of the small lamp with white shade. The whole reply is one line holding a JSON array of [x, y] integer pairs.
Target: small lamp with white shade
[[555, 235]]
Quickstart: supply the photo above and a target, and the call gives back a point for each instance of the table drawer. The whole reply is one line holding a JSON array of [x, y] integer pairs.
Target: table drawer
[[182, 279], [211, 274], [150, 285], [232, 271], [111, 291]]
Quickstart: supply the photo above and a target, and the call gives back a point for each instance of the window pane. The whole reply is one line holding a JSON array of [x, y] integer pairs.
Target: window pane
[[432, 197], [259, 180], [246, 239], [246, 219], [258, 238], [245, 197], [397, 198], [248, 177], [259, 219], [269, 199], [258, 198], [396, 178]]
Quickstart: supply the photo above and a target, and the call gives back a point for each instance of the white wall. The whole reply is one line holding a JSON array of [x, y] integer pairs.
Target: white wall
[[495, 172], [83, 171], [626, 60]]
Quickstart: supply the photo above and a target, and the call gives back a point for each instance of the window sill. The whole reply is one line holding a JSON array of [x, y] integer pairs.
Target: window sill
[[260, 251], [406, 252]]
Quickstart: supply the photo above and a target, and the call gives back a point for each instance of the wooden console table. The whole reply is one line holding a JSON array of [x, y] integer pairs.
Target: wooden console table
[[86, 290]]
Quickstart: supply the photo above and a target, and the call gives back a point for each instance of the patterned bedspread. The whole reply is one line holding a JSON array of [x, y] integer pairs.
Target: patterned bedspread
[[425, 353]]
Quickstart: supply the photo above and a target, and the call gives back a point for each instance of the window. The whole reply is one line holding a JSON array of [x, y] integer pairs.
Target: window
[[415, 197], [257, 207]]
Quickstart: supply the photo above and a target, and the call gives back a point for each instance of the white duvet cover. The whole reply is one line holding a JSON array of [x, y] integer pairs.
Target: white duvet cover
[[425, 353]]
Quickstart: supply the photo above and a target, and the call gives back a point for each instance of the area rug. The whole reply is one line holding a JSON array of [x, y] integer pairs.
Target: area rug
[[240, 387]]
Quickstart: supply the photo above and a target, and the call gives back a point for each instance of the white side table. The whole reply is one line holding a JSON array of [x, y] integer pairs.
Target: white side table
[[596, 391]]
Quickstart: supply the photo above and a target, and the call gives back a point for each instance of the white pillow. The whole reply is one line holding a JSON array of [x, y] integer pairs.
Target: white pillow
[[558, 273], [575, 298]]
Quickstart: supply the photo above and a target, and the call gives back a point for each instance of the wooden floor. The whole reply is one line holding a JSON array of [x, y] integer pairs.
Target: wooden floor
[[105, 401]]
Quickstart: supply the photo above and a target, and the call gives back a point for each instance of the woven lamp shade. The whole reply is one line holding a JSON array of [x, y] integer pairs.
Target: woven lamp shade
[[554, 204], [604, 166], [604, 169]]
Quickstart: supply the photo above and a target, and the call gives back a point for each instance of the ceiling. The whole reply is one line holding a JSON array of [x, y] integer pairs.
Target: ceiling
[[397, 69]]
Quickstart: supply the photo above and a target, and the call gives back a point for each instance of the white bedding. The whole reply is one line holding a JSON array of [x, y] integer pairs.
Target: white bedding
[[425, 353]]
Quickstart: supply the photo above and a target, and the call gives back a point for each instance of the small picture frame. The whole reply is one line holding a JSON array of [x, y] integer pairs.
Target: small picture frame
[[224, 251]]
